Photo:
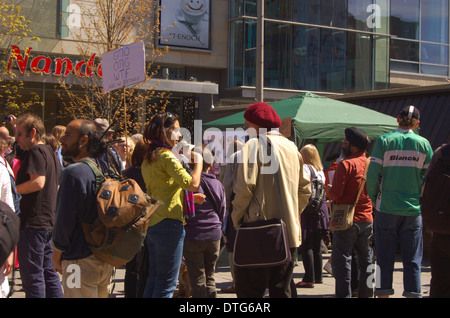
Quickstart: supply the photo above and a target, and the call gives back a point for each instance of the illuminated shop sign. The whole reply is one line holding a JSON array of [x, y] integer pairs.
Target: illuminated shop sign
[[58, 66]]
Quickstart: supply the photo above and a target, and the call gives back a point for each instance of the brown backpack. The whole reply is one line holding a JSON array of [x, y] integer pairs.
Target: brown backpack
[[118, 233]]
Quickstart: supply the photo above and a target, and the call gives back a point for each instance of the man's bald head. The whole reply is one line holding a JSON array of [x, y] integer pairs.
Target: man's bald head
[[4, 133]]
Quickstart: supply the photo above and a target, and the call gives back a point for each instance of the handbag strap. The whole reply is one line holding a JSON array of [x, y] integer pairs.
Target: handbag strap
[[275, 175], [361, 187]]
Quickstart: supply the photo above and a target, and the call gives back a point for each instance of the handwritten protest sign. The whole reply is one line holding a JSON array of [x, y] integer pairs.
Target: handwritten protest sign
[[123, 67]]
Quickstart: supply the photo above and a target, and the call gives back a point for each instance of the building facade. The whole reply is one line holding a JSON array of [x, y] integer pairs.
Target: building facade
[[341, 46], [332, 47]]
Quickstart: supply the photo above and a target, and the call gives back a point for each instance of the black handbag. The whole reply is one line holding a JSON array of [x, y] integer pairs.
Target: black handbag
[[262, 243]]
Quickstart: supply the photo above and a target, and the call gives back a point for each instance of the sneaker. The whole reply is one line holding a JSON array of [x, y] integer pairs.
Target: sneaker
[[327, 268]]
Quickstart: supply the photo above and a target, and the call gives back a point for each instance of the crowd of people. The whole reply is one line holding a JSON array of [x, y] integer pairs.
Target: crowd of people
[[45, 184]]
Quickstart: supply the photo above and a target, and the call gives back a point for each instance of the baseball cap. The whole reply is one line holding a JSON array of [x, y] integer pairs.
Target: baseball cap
[[410, 111]]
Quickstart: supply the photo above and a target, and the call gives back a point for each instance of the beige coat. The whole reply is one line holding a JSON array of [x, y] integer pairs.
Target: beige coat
[[259, 196]]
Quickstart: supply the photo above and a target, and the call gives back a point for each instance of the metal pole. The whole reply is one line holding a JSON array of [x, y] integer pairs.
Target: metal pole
[[259, 96], [43, 101]]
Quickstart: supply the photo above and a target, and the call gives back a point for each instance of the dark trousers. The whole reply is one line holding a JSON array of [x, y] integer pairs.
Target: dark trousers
[[34, 252], [136, 273], [252, 283], [312, 257], [439, 259], [201, 258]]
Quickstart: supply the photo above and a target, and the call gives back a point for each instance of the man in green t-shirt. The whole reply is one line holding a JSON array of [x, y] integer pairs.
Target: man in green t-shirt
[[399, 161]]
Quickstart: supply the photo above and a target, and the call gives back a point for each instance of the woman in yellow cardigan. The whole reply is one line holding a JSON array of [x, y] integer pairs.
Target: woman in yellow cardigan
[[168, 181]]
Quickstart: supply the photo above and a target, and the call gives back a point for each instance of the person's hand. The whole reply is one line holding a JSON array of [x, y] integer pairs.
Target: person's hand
[[56, 259], [8, 266], [199, 198], [12, 122], [196, 157]]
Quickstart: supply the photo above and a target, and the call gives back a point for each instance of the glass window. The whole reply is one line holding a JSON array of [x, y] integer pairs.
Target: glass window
[[306, 11], [434, 70], [333, 13], [358, 71], [404, 67], [404, 50], [305, 55], [277, 9], [243, 53], [381, 72], [236, 8], [249, 67], [277, 55], [239, 8], [251, 8], [433, 53], [405, 18], [332, 60], [358, 15], [236, 53], [434, 21]]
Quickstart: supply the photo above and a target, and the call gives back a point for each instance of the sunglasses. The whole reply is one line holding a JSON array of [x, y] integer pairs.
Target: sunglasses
[[169, 115]]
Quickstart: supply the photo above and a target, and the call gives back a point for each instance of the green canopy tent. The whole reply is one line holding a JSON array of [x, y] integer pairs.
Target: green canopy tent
[[319, 120]]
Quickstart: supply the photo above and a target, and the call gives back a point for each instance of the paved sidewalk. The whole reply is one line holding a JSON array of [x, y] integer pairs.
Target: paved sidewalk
[[223, 279]]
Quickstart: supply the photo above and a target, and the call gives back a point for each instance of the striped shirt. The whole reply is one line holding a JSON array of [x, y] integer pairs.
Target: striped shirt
[[399, 161]]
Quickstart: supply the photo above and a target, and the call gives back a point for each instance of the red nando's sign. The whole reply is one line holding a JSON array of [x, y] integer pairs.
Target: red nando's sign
[[61, 66]]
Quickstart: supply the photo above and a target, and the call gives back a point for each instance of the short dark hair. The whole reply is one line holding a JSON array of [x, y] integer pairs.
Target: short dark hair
[[30, 121]]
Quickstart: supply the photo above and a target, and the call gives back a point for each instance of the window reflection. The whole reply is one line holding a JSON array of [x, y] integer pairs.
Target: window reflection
[[305, 58], [357, 14], [434, 27], [332, 60], [434, 24], [277, 55], [405, 18], [432, 53], [405, 50], [434, 70], [236, 53], [306, 11], [277, 9], [333, 13], [311, 57]]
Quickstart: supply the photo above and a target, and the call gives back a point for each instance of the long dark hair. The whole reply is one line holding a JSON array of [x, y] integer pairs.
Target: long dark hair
[[155, 133]]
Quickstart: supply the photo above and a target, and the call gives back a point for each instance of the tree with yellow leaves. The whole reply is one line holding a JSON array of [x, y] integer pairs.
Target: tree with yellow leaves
[[107, 25], [14, 28]]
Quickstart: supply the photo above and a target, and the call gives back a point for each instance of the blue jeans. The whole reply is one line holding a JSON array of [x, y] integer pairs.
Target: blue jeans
[[355, 238], [165, 248], [34, 253], [390, 230]]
